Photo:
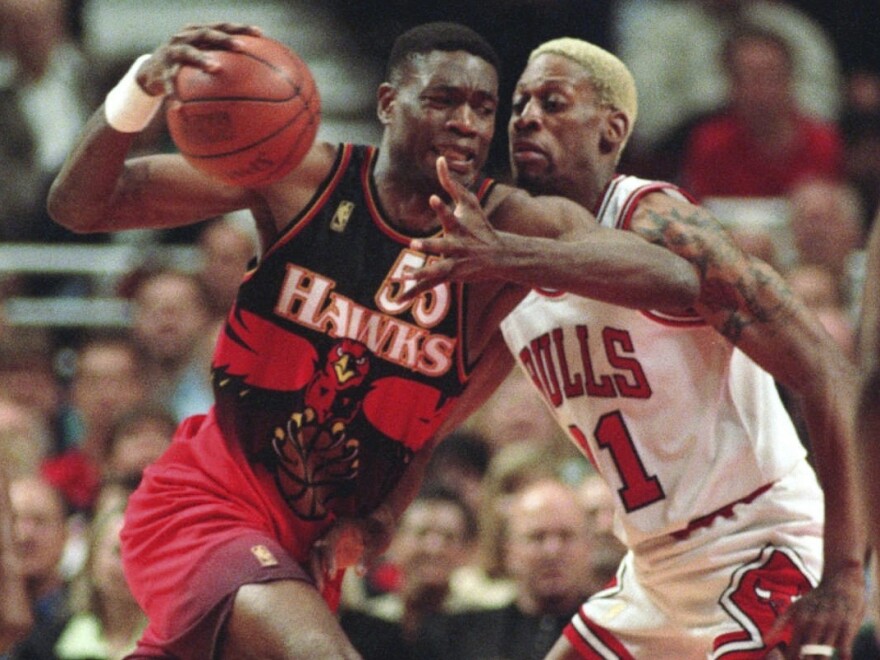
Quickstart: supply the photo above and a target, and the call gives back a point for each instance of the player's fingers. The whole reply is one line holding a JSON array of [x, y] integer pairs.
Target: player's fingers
[[440, 245], [426, 278], [842, 637], [778, 632], [449, 185], [445, 214], [174, 56], [216, 34], [812, 637]]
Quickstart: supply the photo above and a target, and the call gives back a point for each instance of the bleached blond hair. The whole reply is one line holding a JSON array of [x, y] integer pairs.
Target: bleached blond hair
[[611, 78]]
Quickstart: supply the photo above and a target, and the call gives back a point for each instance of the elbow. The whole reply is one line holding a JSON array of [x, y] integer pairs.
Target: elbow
[[78, 218]]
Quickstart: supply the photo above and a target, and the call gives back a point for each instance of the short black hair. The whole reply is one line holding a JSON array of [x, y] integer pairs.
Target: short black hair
[[462, 449], [441, 494], [440, 35]]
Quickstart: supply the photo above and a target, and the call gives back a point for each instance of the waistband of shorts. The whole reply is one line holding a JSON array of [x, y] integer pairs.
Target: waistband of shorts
[[725, 511]]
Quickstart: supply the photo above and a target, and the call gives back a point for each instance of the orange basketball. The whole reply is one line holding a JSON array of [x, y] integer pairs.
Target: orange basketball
[[250, 122]]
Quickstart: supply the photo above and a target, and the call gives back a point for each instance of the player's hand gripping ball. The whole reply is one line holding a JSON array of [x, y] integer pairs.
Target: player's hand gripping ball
[[250, 122]]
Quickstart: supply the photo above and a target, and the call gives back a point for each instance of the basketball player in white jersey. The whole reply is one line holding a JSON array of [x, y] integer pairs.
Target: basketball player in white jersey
[[722, 513]]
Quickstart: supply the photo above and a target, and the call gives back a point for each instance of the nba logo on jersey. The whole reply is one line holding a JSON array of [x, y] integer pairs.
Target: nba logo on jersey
[[340, 218]]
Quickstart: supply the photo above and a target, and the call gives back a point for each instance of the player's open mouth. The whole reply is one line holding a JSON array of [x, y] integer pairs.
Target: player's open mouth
[[459, 160]]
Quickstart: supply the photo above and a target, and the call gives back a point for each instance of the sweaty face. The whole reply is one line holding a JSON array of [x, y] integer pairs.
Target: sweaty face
[[443, 105], [555, 127]]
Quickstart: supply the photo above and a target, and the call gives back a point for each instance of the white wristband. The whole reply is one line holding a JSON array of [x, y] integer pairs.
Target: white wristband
[[128, 108]]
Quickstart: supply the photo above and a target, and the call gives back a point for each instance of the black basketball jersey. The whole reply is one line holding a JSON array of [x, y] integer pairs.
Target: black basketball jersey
[[321, 374]]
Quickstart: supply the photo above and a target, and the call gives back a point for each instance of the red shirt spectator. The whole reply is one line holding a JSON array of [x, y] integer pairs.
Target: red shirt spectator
[[762, 143], [723, 158]]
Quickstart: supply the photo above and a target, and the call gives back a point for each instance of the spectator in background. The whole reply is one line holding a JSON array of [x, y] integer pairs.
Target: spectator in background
[[25, 440], [107, 380], [44, 102], [511, 468], [516, 413], [860, 126], [459, 463], [40, 532], [15, 614], [607, 549], [827, 221], [435, 536], [28, 376], [172, 326], [139, 436], [455, 473], [820, 290], [226, 247], [106, 621], [547, 553], [673, 48], [761, 144]]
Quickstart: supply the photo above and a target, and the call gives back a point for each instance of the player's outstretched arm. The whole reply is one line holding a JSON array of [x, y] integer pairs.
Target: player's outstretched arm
[[750, 304], [553, 243]]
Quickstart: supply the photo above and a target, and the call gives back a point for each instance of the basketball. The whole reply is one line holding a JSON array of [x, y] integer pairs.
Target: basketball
[[250, 122]]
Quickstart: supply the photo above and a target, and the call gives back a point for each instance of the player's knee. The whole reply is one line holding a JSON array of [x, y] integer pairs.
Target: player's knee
[[271, 622]]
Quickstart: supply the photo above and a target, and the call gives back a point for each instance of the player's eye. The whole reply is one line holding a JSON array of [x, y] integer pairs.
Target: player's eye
[[553, 103]]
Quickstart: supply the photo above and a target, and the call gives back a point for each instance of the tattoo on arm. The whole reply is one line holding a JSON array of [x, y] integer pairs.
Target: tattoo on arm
[[737, 287]]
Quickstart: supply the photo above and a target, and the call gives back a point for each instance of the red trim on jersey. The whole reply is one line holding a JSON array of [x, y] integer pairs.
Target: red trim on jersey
[[607, 195], [311, 210], [483, 189], [585, 648], [725, 511], [625, 220], [549, 293], [695, 321]]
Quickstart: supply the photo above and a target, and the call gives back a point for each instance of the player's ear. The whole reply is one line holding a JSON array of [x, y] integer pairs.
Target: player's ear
[[385, 97], [615, 130]]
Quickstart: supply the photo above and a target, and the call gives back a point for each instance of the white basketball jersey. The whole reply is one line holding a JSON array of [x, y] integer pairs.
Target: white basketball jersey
[[677, 421]]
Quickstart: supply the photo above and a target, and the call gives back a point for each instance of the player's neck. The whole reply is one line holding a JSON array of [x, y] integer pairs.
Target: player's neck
[[405, 204], [411, 216]]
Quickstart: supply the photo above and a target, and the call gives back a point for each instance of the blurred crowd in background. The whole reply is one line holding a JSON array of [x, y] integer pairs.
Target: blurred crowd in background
[[768, 112]]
